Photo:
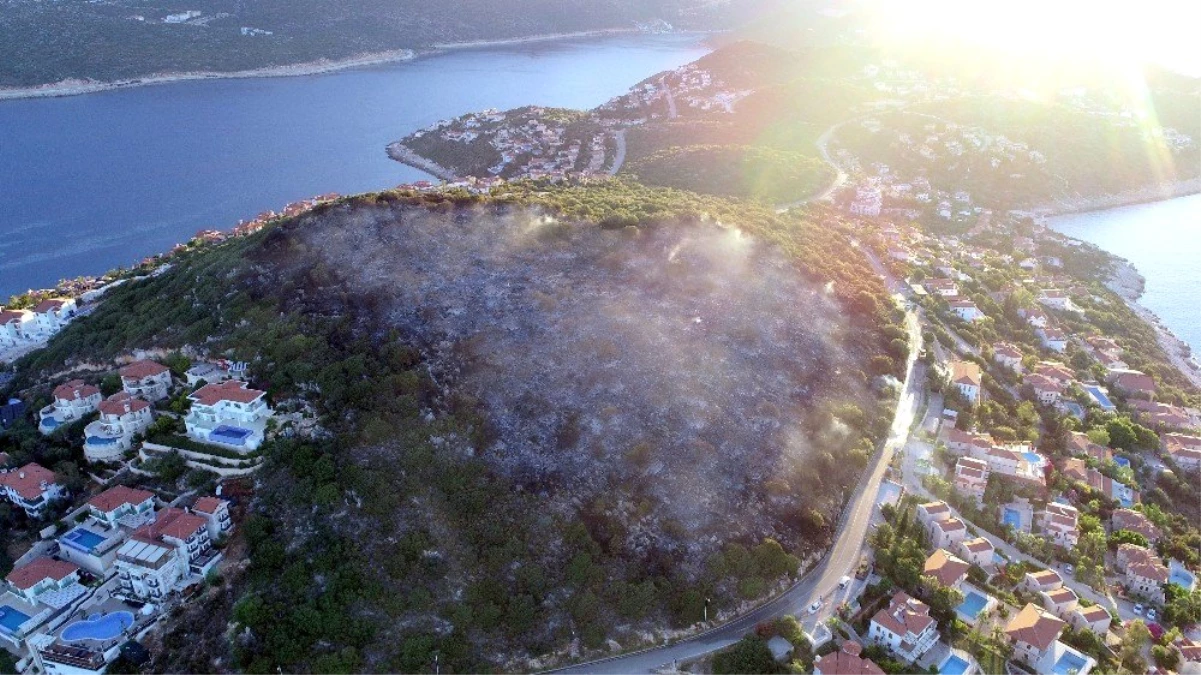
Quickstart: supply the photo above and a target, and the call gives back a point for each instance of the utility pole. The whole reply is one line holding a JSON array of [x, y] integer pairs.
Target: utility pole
[[706, 610], [437, 668]]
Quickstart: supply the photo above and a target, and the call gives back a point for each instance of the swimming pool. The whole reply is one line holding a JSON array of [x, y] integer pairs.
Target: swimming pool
[[83, 540], [1012, 518], [954, 665], [1069, 664], [1121, 461], [973, 603], [11, 619], [230, 435], [1099, 396], [104, 627]]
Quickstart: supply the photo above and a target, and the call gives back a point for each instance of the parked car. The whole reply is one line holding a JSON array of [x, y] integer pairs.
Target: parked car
[[844, 582], [817, 604], [1138, 609], [1151, 616], [1067, 567]]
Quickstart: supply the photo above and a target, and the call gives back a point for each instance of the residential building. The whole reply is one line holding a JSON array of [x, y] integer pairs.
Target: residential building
[[121, 418], [121, 506], [228, 413], [209, 373], [46, 581], [1046, 390], [966, 442], [52, 315], [149, 570], [945, 568], [1060, 523], [1032, 632], [72, 401], [14, 326], [92, 545], [905, 628], [978, 551], [947, 533], [189, 534], [1094, 618], [1054, 339], [1075, 470], [931, 512], [1189, 651], [947, 288], [32, 488], [215, 511], [1184, 450], [1056, 299], [1008, 356], [846, 661], [971, 477], [1119, 492], [1145, 572], [1080, 446], [1134, 383], [1061, 602], [146, 379], [1135, 521], [1043, 580], [966, 376]]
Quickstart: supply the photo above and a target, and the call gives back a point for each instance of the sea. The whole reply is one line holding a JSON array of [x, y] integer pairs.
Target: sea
[[97, 181], [1163, 241]]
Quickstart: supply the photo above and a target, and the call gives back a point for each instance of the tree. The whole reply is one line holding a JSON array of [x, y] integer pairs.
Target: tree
[[1099, 436], [1130, 652], [749, 655]]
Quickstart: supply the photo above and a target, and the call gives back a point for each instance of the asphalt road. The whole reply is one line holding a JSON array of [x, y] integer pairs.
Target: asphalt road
[[823, 579]]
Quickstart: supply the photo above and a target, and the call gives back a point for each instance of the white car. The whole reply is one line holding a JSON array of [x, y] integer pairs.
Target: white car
[[1138, 609], [815, 606], [1067, 567], [1151, 615], [844, 582]]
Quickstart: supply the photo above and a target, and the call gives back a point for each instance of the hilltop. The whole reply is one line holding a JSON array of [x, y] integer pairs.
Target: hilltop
[[549, 409]]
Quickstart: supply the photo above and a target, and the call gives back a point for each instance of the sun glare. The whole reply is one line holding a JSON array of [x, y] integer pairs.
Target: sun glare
[[1161, 31]]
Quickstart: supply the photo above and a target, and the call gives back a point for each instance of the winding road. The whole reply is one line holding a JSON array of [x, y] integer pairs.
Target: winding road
[[822, 580]]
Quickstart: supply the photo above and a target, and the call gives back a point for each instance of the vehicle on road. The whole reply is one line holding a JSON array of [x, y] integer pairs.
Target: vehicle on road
[[1151, 615], [1067, 567], [1138, 609], [817, 604], [844, 582]]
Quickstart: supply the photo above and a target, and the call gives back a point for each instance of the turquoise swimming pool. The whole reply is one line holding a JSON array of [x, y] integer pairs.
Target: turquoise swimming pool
[[1012, 518], [954, 665], [95, 627], [973, 603]]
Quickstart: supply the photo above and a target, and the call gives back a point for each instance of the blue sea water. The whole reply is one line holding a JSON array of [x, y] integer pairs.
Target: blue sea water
[[1163, 240], [91, 182]]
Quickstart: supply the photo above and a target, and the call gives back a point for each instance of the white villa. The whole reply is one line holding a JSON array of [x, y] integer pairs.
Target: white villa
[[215, 511], [50, 316], [46, 581], [966, 376], [121, 417], [162, 554], [905, 628], [230, 414], [73, 400], [146, 379], [31, 488], [14, 326]]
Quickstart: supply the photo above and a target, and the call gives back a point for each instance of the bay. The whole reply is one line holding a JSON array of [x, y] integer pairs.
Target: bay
[[92, 182], [1163, 241]]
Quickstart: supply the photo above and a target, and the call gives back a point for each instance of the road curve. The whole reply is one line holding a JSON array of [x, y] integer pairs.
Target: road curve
[[819, 581]]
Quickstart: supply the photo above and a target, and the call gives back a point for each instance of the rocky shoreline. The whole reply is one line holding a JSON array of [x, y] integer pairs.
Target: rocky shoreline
[[1128, 284], [1152, 193], [403, 154]]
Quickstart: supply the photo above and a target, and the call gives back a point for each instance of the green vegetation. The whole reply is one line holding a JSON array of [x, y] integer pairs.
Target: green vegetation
[[749, 655], [747, 172], [377, 526]]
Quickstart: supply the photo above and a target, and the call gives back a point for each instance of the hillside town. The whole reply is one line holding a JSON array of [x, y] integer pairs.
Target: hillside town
[[114, 551]]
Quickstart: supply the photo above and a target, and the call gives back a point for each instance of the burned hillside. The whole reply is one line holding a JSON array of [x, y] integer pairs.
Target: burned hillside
[[685, 363]]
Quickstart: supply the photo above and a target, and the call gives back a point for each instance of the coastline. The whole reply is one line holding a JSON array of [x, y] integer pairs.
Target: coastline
[[75, 87], [401, 153], [1128, 284], [1152, 193]]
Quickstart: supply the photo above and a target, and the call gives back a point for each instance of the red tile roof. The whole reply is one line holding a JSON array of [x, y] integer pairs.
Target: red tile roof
[[142, 369], [208, 504], [174, 523], [30, 575], [1034, 627], [114, 497], [50, 304], [68, 391], [27, 481], [846, 662], [905, 615], [231, 390], [9, 315], [946, 568], [121, 403]]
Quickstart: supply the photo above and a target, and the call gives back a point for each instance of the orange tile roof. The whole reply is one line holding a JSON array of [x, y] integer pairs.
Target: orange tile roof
[[113, 498], [944, 567], [118, 403], [847, 662], [230, 390], [904, 615], [174, 523], [1034, 627], [208, 504], [141, 369], [70, 390], [27, 481], [28, 576], [49, 304]]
